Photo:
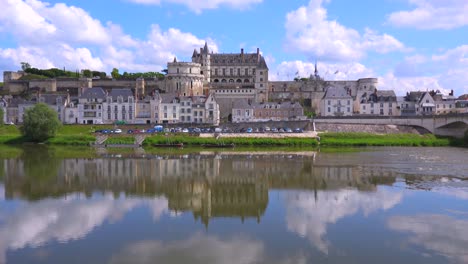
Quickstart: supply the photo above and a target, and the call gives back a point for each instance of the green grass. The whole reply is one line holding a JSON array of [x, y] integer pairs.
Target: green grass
[[366, 139], [197, 141], [33, 77], [122, 140], [77, 140]]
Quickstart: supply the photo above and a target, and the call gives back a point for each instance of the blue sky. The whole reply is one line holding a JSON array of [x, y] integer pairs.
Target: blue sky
[[407, 44]]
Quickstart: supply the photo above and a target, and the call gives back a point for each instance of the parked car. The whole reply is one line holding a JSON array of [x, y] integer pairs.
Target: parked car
[[267, 129], [298, 130], [274, 129], [288, 130], [197, 130], [185, 130], [118, 131], [249, 130], [130, 131]]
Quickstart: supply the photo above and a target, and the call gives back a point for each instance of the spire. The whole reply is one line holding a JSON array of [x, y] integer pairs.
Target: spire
[[205, 49], [175, 59], [194, 53], [316, 71]]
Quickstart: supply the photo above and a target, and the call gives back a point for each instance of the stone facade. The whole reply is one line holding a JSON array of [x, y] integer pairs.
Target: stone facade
[[337, 102], [244, 111], [383, 103], [184, 78], [234, 71]]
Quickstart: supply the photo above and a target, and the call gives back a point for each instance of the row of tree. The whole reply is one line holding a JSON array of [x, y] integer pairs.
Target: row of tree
[[54, 73]]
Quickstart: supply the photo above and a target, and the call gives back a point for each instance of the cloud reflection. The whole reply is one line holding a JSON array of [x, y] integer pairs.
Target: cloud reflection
[[34, 224], [309, 217], [441, 234], [197, 249]]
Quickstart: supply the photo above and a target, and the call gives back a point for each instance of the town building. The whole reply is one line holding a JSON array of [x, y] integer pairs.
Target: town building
[[417, 103], [380, 102], [244, 111], [337, 101]]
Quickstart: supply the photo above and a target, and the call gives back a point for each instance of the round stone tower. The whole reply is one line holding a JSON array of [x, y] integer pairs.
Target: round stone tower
[[184, 78]]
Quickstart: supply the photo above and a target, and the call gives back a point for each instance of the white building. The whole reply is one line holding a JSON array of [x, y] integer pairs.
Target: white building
[[119, 106], [90, 109], [337, 102], [382, 103]]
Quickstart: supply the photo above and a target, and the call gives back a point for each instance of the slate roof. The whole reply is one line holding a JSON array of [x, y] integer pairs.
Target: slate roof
[[95, 92], [333, 92], [124, 92], [241, 104]]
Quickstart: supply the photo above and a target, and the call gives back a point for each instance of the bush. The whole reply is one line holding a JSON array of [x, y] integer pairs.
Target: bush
[[40, 123]]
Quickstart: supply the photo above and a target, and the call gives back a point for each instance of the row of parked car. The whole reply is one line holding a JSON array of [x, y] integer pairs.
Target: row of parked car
[[196, 130]]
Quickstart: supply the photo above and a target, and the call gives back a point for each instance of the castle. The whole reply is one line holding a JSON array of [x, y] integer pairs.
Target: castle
[[229, 76]]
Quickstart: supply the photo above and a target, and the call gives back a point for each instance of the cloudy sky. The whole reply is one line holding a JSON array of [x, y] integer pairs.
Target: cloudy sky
[[408, 44]]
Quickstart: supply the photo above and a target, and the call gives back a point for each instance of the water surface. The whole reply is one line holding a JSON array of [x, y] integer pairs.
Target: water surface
[[373, 205]]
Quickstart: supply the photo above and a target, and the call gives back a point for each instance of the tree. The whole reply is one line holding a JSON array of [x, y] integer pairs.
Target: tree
[[115, 73], [40, 123], [87, 73], [25, 66]]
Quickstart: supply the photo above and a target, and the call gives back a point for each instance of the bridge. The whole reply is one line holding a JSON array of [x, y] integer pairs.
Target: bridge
[[442, 125]]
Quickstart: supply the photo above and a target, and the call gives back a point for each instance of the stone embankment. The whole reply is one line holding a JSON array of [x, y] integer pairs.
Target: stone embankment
[[307, 134]]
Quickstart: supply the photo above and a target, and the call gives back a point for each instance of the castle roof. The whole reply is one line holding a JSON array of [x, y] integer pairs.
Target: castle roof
[[333, 92]]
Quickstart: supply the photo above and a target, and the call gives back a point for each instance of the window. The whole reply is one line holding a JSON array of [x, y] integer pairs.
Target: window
[[246, 72], [173, 108], [165, 108], [190, 70], [329, 110], [349, 102], [371, 104], [238, 112], [238, 71], [195, 113], [349, 110], [381, 111], [329, 102], [261, 79], [165, 115], [261, 73], [216, 72], [177, 70], [224, 71], [389, 104], [381, 104], [363, 107], [174, 115], [253, 71], [231, 71], [338, 109]]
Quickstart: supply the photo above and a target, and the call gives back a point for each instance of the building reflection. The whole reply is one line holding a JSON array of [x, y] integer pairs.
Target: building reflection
[[208, 184]]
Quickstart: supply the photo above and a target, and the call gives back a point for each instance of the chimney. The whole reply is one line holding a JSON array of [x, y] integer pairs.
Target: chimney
[[242, 53], [258, 54]]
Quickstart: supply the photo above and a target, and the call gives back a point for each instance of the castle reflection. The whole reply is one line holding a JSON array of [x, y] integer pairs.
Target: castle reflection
[[208, 184]]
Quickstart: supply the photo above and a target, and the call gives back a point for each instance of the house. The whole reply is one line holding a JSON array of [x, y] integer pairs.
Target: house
[[337, 101], [90, 108], [282, 111], [382, 103], [119, 106], [169, 109], [417, 103], [242, 111], [444, 104]]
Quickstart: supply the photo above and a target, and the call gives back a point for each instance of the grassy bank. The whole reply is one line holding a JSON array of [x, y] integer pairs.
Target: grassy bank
[[197, 141], [366, 139], [83, 135]]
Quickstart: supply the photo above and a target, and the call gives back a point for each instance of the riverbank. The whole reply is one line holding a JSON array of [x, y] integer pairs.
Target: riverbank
[[81, 135]]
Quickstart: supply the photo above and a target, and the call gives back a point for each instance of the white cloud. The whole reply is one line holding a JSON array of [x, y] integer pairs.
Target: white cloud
[[439, 234], [67, 219], [287, 70], [309, 31], [67, 36], [198, 5], [445, 71], [309, 218], [432, 14]]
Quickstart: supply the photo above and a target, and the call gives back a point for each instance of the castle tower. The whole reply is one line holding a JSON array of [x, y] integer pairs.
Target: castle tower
[[206, 64]]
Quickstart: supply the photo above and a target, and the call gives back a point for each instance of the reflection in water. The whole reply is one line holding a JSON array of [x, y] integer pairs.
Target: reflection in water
[[309, 216], [35, 224], [197, 249], [319, 190], [441, 234]]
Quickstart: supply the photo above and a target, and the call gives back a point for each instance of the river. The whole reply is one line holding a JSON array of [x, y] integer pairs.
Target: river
[[368, 205]]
